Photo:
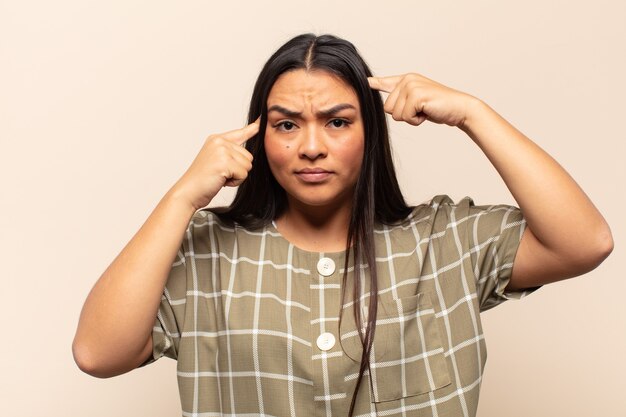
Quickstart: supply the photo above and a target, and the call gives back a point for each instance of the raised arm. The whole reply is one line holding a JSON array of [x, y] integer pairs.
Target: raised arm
[[566, 235], [115, 325]]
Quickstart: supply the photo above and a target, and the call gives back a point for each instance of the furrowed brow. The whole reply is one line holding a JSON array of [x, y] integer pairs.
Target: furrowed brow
[[335, 109], [286, 112], [322, 113]]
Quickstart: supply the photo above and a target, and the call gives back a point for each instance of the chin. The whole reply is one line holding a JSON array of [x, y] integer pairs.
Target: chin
[[319, 200]]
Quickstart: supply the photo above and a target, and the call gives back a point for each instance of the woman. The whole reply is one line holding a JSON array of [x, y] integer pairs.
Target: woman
[[261, 303]]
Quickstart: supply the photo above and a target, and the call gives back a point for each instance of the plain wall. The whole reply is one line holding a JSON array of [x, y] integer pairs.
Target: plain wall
[[103, 105]]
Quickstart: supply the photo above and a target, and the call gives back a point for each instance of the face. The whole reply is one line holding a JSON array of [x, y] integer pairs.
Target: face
[[314, 138]]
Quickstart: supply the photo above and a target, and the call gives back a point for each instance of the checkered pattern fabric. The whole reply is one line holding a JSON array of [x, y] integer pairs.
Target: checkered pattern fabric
[[253, 321]]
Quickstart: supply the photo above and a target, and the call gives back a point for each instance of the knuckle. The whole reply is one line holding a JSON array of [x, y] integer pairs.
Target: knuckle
[[412, 84], [225, 173], [240, 174], [414, 93]]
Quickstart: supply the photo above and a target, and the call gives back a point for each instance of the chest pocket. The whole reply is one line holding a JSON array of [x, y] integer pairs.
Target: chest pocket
[[407, 356]]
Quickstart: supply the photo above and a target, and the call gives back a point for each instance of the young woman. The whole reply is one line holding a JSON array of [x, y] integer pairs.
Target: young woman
[[319, 291]]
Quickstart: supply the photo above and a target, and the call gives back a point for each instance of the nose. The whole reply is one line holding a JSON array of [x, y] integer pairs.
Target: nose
[[312, 144]]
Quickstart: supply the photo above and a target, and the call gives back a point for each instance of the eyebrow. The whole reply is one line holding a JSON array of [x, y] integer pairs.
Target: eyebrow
[[322, 113]]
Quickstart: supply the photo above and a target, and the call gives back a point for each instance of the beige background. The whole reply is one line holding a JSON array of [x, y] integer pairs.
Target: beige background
[[104, 104]]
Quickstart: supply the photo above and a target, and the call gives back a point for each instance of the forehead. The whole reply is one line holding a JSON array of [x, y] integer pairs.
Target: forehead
[[299, 88]]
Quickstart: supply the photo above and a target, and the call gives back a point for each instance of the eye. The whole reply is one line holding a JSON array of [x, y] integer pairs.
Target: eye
[[339, 123], [285, 126]]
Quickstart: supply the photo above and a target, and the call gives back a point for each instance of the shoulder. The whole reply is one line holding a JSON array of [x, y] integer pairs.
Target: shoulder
[[430, 218], [207, 217], [441, 212], [217, 217], [440, 208], [205, 221], [206, 229], [212, 224]]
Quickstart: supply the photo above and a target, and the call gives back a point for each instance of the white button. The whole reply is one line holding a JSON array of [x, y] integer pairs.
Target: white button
[[326, 341], [326, 267]]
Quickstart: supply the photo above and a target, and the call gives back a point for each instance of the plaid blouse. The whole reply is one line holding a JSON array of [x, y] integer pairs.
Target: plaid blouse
[[253, 320]]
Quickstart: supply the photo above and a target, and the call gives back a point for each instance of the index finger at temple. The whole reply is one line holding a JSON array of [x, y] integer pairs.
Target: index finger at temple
[[386, 84], [240, 136]]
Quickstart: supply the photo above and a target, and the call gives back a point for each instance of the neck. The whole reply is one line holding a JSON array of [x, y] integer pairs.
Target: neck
[[316, 229]]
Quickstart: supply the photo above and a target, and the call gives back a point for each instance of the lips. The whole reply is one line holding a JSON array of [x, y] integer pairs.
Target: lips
[[313, 175]]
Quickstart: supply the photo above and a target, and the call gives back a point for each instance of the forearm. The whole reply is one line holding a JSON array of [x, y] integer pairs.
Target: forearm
[[566, 235], [115, 326], [556, 209], [118, 315]]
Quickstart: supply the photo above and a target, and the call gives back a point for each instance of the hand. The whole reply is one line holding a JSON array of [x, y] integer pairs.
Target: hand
[[222, 161], [415, 98]]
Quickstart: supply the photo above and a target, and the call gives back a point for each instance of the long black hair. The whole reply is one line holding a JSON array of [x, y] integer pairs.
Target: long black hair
[[377, 196]]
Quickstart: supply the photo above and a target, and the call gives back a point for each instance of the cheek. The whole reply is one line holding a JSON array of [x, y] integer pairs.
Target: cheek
[[352, 154], [277, 153]]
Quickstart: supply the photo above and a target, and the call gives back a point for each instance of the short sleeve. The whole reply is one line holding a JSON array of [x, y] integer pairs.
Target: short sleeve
[[494, 233], [168, 323]]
